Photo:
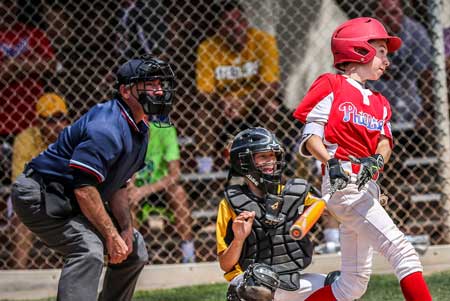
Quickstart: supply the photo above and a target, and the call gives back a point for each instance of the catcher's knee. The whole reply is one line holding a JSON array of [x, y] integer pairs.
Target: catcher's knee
[[352, 285], [259, 283]]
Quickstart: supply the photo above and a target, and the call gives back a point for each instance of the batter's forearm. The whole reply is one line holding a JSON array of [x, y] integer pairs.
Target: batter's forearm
[[316, 147], [92, 207], [384, 149]]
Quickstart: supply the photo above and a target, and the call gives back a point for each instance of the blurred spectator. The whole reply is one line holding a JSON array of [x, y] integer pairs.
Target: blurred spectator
[[447, 58], [447, 54], [356, 8], [406, 82], [185, 32], [26, 57], [84, 46], [52, 118], [162, 173], [59, 25], [237, 74], [141, 28]]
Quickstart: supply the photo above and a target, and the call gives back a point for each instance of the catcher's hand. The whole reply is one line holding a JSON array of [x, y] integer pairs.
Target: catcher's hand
[[338, 178], [369, 167]]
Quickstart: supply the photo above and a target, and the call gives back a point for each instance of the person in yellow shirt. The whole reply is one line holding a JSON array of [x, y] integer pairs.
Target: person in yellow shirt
[[257, 254], [237, 75], [52, 117]]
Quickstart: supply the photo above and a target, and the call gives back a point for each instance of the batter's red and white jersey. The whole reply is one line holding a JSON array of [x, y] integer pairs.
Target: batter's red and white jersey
[[349, 117]]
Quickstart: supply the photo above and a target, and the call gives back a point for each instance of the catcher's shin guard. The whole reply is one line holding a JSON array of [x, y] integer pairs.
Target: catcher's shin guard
[[259, 284], [232, 293]]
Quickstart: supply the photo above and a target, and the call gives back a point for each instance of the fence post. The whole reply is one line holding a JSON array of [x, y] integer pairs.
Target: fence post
[[441, 101]]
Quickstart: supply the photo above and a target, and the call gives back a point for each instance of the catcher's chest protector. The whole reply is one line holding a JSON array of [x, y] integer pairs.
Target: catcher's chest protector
[[273, 245]]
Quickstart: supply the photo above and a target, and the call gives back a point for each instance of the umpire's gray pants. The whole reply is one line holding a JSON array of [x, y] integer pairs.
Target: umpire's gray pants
[[82, 248]]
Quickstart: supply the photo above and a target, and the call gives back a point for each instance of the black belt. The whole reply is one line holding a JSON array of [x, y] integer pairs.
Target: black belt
[[44, 179], [31, 173]]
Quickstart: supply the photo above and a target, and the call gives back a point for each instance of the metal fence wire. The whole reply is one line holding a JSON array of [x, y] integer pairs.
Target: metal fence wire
[[73, 48]]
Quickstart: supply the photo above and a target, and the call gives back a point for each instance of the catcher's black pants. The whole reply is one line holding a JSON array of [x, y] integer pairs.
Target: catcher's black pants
[[80, 244]]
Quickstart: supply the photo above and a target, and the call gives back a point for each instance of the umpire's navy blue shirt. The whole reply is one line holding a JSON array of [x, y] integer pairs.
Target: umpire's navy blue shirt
[[105, 142]]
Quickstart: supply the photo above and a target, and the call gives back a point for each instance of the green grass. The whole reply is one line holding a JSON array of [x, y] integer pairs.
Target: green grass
[[381, 287], [211, 292]]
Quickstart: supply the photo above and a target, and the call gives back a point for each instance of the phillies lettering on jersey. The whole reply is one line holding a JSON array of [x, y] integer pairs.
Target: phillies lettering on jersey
[[351, 115], [354, 117]]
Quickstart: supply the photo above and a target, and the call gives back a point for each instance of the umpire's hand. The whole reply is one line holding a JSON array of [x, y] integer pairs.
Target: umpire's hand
[[127, 235], [117, 249]]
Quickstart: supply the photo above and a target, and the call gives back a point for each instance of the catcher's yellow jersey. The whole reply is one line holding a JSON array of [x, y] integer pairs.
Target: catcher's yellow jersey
[[224, 232], [221, 70]]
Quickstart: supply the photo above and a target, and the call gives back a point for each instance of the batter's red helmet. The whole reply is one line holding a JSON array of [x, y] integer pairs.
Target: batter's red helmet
[[350, 41]]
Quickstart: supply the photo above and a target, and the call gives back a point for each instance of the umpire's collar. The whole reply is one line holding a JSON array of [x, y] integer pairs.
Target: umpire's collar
[[141, 126]]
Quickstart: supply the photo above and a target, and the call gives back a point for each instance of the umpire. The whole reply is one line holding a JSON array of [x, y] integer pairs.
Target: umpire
[[73, 195]]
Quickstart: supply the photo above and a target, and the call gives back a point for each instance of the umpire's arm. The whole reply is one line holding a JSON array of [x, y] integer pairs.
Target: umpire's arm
[[91, 205], [120, 209]]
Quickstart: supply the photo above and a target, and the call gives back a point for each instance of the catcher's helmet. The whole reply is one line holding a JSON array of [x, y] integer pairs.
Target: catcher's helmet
[[350, 41], [145, 69], [243, 148]]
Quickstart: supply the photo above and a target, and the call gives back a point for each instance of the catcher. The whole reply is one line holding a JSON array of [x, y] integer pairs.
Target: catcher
[[259, 258]]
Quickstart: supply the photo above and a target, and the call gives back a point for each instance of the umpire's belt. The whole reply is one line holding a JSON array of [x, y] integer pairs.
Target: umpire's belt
[[44, 179], [60, 201], [31, 173], [351, 168]]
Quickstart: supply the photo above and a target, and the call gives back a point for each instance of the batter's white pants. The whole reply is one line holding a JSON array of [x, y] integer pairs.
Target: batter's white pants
[[365, 226], [309, 283]]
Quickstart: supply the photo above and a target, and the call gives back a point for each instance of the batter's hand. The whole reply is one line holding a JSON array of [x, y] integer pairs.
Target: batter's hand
[[369, 167], [117, 249], [242, 225], [338, 177]]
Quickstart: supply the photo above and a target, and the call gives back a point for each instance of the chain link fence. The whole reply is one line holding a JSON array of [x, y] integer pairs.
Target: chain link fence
[[72, 48]]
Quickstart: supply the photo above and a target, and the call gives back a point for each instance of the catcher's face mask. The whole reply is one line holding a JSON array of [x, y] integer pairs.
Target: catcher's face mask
[[269, 167]]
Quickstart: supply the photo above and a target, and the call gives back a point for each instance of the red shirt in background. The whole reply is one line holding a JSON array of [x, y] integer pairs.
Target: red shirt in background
[[18, 97]]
